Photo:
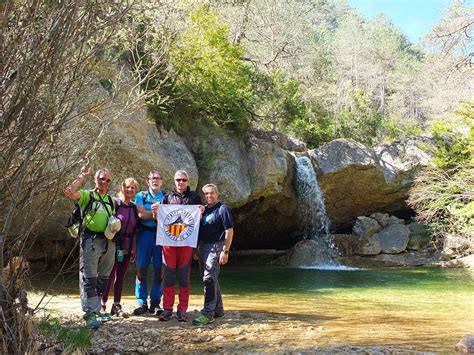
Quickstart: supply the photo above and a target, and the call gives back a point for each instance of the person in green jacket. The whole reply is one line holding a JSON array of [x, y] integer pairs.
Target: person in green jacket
[[97, 253]]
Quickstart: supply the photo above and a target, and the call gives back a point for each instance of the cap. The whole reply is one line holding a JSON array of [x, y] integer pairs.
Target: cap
[[113, 227]]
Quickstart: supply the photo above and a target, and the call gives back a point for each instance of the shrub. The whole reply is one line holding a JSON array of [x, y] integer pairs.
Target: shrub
[[443, 195], [70, 338]]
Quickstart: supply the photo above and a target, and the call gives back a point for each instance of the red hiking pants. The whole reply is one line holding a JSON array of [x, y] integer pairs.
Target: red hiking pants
[[176, 260]]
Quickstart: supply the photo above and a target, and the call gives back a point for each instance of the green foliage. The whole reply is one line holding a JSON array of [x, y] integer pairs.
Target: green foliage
[[445, 201], [361, 122], [280, 105], [452, 148], [394, 128], [72, 338], [211, 78], [443, 195]]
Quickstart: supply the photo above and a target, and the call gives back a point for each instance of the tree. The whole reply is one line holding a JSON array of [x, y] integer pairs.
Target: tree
[[211, 79], [53, 54], [453, 35]]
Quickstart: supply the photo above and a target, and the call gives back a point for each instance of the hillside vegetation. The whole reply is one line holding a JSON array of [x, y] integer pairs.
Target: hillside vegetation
[[312, 69]]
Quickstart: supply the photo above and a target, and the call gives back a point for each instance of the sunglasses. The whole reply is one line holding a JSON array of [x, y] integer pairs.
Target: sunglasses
[[154, 178], [104, 179], [181, 180]]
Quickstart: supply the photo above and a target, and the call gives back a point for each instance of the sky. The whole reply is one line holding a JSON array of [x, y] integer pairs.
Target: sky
[[415, 18]]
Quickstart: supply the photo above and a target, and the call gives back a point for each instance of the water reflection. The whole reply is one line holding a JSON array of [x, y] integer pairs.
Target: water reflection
[[428, 309]]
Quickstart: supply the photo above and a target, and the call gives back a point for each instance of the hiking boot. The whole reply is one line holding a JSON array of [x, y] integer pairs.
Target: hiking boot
[[202, 320], [165, 315], [155, 308], [140, 310], [219, 314], [104, 317], [92, 322], [117, 310], [182, 317]]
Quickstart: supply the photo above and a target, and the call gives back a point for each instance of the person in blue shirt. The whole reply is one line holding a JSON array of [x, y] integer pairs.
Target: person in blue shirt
[[215, 238], [147, 250]]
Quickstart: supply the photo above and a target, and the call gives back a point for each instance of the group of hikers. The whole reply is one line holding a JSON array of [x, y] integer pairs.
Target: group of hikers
[[105, 253]]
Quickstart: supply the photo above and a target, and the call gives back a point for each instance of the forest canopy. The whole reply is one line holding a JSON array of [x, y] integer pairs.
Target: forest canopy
[[313, 69]]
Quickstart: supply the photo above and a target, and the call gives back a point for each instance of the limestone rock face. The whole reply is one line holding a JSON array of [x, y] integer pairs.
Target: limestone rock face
[[255, 174], [222, 162], [357, 180], [255, 178]]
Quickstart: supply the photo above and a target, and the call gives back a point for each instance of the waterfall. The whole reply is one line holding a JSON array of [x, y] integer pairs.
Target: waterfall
[[314, 222]]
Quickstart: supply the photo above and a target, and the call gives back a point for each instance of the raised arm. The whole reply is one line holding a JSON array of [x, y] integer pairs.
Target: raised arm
[[71, 191]]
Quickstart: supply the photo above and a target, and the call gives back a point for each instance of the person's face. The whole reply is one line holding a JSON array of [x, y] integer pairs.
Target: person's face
[[211, 196], [181, 182], [154, 182], [102, 182], [129, 190]]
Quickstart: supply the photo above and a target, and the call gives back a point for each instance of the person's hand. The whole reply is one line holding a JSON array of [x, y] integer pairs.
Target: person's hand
[[154, 210], [195, 254], [223, 258], [86, 170], [201, 209]]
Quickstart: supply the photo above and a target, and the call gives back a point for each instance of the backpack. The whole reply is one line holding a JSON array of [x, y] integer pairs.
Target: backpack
[[74, 221], [76, 217]]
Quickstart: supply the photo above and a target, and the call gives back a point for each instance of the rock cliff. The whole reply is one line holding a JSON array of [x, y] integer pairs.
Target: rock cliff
[[256, 175]]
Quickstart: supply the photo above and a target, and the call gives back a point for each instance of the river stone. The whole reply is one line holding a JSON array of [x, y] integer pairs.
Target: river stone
[[305, 253], [348, 244], [419, 236], [365, 227], [393, 239], [372, 246], [465, 345], [457, 245], [385, 219], [391, 260], [464, 262]]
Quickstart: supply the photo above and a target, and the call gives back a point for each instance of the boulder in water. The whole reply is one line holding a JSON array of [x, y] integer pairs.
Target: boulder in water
[[307, 253]]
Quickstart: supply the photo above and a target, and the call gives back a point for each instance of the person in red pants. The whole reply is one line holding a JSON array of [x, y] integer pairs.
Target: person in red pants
[[177, 260]]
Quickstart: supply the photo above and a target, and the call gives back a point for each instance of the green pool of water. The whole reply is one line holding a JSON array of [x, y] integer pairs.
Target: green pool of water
[[426, 309]]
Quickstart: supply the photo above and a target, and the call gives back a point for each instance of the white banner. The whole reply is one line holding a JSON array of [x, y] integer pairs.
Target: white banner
[[178, 225]]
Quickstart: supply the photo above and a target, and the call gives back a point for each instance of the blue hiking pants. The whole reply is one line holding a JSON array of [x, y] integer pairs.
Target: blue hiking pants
[[148, 253]]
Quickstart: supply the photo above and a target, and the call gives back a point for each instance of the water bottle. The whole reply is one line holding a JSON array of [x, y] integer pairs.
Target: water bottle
[[119, 255]]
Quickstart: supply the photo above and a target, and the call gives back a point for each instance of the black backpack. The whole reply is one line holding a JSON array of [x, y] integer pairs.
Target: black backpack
[[76, 217]]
